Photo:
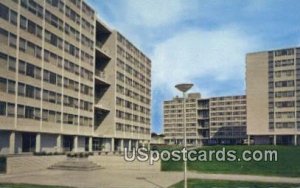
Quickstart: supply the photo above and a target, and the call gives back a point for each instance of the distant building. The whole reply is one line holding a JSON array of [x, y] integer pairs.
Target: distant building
[[273, 96], [217, 120], [157, 139]]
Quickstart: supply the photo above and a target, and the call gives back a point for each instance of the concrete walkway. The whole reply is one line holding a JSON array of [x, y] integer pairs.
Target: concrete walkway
[[238, 177], [113, 178]]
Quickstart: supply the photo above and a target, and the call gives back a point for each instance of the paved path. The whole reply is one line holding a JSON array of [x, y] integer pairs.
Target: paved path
[[112, 178], [238, 177]]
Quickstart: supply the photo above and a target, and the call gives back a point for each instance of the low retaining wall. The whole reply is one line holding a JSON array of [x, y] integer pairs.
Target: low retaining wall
[[21, 164]]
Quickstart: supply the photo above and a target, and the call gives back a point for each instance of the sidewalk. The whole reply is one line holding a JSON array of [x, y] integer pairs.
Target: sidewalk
[[239, 177]]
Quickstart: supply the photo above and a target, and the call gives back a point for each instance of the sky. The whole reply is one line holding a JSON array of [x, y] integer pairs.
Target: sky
[[201, 41]]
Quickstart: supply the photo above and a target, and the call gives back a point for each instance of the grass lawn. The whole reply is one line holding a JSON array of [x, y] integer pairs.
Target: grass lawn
[[26, 186], [288, 163], [193, 183]]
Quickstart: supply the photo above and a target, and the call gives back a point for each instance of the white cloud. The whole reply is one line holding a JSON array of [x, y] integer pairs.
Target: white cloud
[[155, 13], [197, 54]]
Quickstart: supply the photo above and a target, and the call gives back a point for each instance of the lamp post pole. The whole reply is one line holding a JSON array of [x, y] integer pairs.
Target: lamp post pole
[[184, 88]]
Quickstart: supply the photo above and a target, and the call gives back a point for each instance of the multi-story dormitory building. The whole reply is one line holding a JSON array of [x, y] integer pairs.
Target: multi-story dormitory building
[[217, 120], [273, 96], [68, 82], [273, 106]]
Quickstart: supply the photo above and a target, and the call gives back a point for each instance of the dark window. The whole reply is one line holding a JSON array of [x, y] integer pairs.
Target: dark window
[[2, 109], [3, 84], [30, 70], [4, 12], [29, 112], [29, 91], [13, 17]]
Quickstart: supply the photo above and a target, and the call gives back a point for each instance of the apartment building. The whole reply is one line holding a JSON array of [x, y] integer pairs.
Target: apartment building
[[60, 84], [217, 120], [173, 120], [273, 93]]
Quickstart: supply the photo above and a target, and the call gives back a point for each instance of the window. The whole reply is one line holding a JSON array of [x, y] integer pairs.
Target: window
[[29, 91], [29, 112], [3, 84], [22, 45], [37, 93], [22, 67], [3, 60], [30, 70], [2, 108], [21, 111], [10, 109], [12, 40], [13, 17], [3, 36], [21, 89], [4, 12], [23, 22], [12, 63], [11, 86]]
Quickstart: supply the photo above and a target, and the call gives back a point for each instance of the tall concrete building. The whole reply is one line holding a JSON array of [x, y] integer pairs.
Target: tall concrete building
[[217, 120], [68, 82], [273, 94]]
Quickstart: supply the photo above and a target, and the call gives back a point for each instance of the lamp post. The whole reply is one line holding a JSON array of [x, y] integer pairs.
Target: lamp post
[[184, 88]]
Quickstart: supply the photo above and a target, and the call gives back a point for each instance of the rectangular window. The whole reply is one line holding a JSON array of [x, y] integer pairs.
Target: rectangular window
[[22, 46], [3, 84], [11, 86], [13, 17], [23, 22], [4, 12], [29, 112], [3, 60], [10, 109], [30, 70], [30, 91], [12, 40], [21, 89], [3, 37], [2, 108], [22, 67], [12, 64], [21, 111]]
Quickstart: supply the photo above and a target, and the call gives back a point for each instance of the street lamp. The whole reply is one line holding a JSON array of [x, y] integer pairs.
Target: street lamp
[[184, 88]]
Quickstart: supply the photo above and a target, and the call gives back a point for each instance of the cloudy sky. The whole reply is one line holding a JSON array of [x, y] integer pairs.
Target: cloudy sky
[[201, 41]]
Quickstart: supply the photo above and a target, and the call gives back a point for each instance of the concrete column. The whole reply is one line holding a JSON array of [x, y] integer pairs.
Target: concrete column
[[112, 147], [90, 144], [136, 144], [75, 144], [59, 144], [122, 145], [38, 142], [295, 140], [274, 140], [129, 145], [12, 142], [249, 140]]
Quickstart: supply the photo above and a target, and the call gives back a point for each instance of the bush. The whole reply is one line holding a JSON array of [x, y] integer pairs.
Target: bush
[[2, 165]]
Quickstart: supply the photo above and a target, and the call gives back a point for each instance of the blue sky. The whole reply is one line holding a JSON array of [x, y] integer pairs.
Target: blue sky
[[201, 41]]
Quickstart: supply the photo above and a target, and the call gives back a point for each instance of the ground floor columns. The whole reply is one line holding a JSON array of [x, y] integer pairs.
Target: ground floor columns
[[38, 140], [129, 146], [274, 140], [295, 140], [12, 142], [112, 147], [122, 145], [90, 144], [75, 147], [59, 145], [137, 144], [249, 141]]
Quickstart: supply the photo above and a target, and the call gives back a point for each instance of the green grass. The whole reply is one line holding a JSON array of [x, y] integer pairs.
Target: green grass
[[2, 165], [193, 183], [27, 186], [288, 163]]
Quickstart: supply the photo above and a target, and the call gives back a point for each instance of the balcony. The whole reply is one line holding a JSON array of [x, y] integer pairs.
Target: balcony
[[101, 78]]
